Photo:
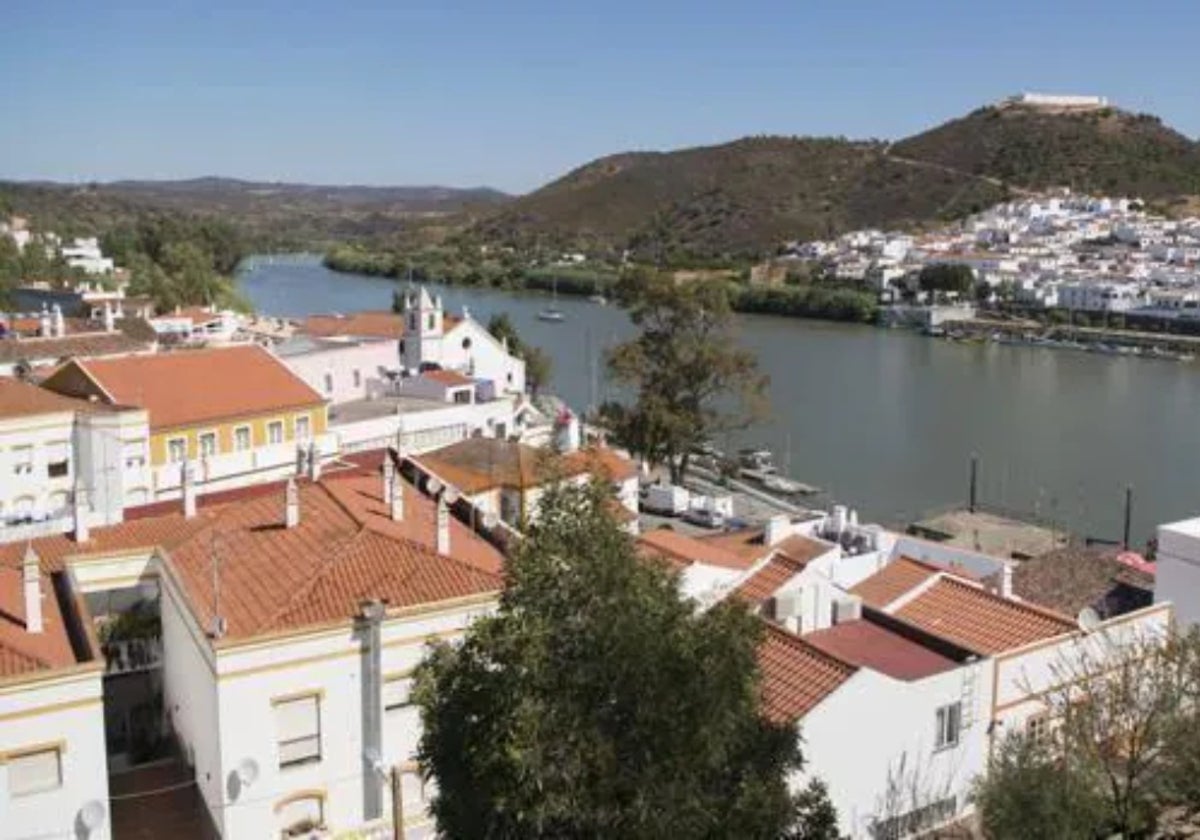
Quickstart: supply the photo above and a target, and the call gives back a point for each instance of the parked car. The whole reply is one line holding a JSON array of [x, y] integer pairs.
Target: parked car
[[705, 518]]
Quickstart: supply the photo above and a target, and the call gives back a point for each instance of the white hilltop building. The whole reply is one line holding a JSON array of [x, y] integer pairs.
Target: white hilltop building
[[431, 339]]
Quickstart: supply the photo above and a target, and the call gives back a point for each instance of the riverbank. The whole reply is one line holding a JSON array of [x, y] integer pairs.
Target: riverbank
[[813, 301]]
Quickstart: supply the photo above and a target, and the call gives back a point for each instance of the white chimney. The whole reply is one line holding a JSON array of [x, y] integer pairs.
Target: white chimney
[[839, 520], [292, 504], [32, 575], [44, 325], [314, 462], [80, 510], [110, 323], [787, 609], [189, 490], [443, 526], [389, 476], [396, 497], [1006, 579], [60, 325], [776, 530]]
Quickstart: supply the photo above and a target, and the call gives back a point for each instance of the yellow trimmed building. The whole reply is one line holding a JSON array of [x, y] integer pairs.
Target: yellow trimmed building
[[237, 415]]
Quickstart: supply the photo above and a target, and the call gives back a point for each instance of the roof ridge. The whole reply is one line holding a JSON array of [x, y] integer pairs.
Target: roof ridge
[[1029, 606]]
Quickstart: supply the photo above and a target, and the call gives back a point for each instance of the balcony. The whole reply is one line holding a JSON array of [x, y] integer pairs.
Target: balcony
[[131, 656]]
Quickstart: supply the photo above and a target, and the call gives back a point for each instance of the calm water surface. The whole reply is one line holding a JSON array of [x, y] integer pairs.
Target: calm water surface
[[886, 420]]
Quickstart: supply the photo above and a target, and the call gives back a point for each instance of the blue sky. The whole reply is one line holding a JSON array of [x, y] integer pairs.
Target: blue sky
[[512, 93]]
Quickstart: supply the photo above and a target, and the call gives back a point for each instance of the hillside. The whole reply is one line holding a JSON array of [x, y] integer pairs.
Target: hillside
[[746, 197], [271, 214]]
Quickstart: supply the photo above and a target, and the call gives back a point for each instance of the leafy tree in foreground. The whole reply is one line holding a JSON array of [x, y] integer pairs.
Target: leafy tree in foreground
[[690, 378], [599, 703]]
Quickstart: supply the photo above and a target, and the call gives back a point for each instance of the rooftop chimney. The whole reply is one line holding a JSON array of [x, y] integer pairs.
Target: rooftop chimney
[[110, 323], [396, 497], [389, 476], [314, 462], [1006, 579], [80, 511], [777, 529], [189, 490], [32, 575], [443, 526], [292, 504], [60, 325], [45, 328]]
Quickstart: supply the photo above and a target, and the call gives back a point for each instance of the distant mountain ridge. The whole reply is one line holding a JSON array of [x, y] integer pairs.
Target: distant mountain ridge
[[744, 198]]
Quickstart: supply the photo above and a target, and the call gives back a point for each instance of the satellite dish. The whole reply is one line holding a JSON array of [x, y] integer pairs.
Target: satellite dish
[[433, 485], [92, 815], [247, 771], [1088, 619], [490, 520], [450, 494]]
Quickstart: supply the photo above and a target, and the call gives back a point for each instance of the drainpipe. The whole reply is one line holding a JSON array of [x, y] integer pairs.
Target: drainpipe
[[370, 620]]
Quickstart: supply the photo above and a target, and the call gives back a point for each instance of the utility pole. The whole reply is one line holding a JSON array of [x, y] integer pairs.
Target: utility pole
[[1128, 515], [397, 805], [974, 477]]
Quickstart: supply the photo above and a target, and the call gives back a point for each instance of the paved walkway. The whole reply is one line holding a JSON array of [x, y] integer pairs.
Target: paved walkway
[[158, 801]]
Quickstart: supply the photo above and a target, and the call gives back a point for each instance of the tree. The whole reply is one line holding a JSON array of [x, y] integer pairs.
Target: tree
[[597, 702], [1124, 713], [946, 277], [690, 379]]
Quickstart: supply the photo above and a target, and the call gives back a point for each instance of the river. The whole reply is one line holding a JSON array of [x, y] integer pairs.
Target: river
[[885, 420]]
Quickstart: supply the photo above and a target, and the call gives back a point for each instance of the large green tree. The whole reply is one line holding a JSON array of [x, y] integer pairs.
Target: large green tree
[[689, 379], [598, 703]]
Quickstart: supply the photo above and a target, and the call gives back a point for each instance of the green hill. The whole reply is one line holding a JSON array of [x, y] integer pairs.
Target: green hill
[[744, 198]]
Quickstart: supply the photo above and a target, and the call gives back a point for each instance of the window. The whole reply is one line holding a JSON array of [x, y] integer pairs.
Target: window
[[329, 383], [298, 728], [1038, 729], [357, 378], [177, 450], [134, 452], [275, 431], [949, 721], [302, 427], [430, 320], [466, 344], [241, 438], [58, 459], [462, 396], [300, 815], [58, 469], [396, 692], [34, 772], [22, 459], [412, 321], [208, 444]]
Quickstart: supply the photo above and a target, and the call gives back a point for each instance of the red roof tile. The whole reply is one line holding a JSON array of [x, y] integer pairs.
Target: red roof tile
[[796, 676], [195, 386], [22, 652], [895, 579], [369, 324], [980, 621], [478, 464], [685, 550], [22, 399], [447, 377], [869, 645], [763, 583]]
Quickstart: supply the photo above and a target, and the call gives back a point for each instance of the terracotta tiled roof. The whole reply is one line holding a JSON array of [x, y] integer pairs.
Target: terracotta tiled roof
[[796, 676], [345, 548], [749, 544], [447, 377], [478, 464], [1071, 578], [369, 324], [22, 399], [196, 386], [763, 583], [40, 350], [893, 580], [980, 621], [22, 652], [683, 550], [869, 645]]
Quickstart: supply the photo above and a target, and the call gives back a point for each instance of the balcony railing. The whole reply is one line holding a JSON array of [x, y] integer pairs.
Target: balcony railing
[[131, 656]]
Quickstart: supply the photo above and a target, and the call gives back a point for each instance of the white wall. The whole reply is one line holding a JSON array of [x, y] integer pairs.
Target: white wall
[[34, 491], [66, 710], [1177, 576], [369, 359], [875, 732], [485, 358]]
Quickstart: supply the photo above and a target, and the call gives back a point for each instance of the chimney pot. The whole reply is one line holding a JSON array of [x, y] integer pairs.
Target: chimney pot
[[189, 490], [292, 504], [443, 526], [80, 511], [32, 576], [314, 462]]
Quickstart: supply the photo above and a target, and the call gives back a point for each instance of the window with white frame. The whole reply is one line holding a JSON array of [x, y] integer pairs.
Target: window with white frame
[[397, 693], [134, 453], [241, 438], [58, 459], [302, 427], [22, 460], [329, 383], [298, 729], [357, 378], [35, 771], [208, 444], [177, 450], [1038, 728], [275, 431], [949, 724]]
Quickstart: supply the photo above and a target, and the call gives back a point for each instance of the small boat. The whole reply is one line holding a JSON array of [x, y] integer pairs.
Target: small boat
[[756, 464], [552, 312], [787, 487], [599, 299]]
